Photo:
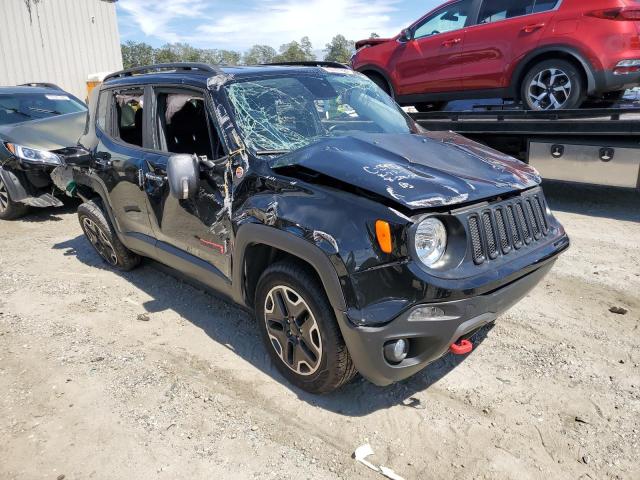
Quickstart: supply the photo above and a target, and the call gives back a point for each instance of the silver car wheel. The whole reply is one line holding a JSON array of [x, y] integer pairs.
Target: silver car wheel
[[4, 196], [550, 89]]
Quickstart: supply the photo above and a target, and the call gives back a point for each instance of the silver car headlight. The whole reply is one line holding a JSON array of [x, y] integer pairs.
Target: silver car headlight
[[430, 241], [32, 155]]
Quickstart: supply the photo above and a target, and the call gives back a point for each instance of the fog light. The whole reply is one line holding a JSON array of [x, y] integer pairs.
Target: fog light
[[396, 351]]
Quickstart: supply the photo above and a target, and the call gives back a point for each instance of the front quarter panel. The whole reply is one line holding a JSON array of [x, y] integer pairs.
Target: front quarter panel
[[338, 223]]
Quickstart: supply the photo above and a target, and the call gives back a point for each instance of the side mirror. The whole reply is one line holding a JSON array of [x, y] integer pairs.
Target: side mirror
[[406, 35], [183, 174]]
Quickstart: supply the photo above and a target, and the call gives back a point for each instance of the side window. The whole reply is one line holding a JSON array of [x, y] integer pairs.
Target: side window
[[495, 10], [453, 17], [184, 127], [544, 5], [129, 116], [101, 114]]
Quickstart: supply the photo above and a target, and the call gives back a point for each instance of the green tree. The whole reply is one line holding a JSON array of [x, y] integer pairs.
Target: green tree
[[296, 52], [135, 54], [339, 50], [220, 57], [259, 54], [307, 48], [166, 54], [229, 57], [374, 35]]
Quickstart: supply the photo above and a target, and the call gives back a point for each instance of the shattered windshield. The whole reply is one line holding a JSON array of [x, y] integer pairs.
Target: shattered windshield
[[280, 114]]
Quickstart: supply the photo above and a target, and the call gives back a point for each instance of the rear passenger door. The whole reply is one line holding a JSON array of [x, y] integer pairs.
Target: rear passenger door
[[505, 32], [180, 124], [119, 157]]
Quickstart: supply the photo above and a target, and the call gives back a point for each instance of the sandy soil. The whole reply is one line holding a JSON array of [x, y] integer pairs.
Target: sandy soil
[[88, 389]]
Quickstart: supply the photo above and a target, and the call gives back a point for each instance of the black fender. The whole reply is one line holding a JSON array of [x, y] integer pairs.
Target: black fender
[[89, 188], [521, 70], [258, 234], [15, 186], [381, 72]]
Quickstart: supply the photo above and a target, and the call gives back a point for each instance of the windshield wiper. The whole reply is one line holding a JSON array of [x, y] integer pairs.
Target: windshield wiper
[[264, 153], [44, 110], [15, 110]]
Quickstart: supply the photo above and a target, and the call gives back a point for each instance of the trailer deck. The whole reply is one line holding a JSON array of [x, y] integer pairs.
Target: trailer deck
[[596, 146]]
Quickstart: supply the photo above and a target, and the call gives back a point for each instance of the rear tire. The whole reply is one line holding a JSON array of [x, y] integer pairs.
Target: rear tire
[[553, 85], [381, 82], [99, 231], [10, 210], [300, 331]]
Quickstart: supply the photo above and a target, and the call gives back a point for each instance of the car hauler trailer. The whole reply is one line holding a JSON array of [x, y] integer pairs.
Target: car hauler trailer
[[596, 146]]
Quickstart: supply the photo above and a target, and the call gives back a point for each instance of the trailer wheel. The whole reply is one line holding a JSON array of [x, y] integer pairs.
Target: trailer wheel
[[553, 85]]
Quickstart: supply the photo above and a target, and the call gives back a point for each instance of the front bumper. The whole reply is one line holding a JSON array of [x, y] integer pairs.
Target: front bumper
[[32, 188], [430, 339]]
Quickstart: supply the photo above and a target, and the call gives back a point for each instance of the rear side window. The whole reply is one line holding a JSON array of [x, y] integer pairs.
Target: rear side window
[[544, 5], [496, 10], [129, 116]]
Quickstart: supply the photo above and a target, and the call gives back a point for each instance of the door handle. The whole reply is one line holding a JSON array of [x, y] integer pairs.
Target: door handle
[[452, 42], [532, 28]]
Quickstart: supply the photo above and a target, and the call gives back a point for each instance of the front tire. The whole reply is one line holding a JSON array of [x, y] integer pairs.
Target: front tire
[[553, 85], [300, 331], [10, 210], [99, 231]]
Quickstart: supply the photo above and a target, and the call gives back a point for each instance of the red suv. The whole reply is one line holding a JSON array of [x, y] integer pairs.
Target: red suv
[[550, 54]]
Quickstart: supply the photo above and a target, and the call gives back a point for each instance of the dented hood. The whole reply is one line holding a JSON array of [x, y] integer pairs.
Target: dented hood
[[416, 171], [51, 133]]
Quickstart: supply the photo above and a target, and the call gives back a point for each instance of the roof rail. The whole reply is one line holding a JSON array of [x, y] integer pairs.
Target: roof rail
[[311, 63], [178, 66], [41, 85]]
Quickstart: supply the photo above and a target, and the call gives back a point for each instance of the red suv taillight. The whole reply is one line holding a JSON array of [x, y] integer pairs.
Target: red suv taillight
[[622, 13]]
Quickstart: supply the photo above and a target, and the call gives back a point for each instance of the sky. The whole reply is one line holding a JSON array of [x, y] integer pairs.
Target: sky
[[239, 24]]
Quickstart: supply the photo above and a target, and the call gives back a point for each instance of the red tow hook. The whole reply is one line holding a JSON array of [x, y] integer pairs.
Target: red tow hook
[[463, 347]]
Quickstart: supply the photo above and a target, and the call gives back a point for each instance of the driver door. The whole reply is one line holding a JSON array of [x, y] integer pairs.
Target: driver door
[[197, 227], [432, 61]]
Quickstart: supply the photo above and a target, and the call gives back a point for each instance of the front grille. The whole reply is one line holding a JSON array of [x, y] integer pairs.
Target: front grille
[[508, 226]]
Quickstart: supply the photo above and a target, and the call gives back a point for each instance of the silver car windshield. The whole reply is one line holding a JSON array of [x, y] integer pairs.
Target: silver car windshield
[[22, 107], [284, 113]]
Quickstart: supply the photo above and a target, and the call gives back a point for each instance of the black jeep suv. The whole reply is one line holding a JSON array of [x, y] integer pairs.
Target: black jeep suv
[[304, 193]]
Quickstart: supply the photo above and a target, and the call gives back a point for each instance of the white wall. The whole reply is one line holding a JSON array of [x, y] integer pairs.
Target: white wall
[[62, 42]]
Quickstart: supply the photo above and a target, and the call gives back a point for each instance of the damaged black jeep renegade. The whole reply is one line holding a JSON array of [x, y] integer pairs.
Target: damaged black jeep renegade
[[304, 193]]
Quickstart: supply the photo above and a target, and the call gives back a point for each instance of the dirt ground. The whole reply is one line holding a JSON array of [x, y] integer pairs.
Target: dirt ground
[[89, 389]]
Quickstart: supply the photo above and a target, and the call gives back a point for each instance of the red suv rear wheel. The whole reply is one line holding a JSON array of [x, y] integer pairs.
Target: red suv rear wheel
[[553, 85]]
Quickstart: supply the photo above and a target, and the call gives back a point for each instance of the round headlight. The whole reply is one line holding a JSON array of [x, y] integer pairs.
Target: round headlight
[[430, 241]]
